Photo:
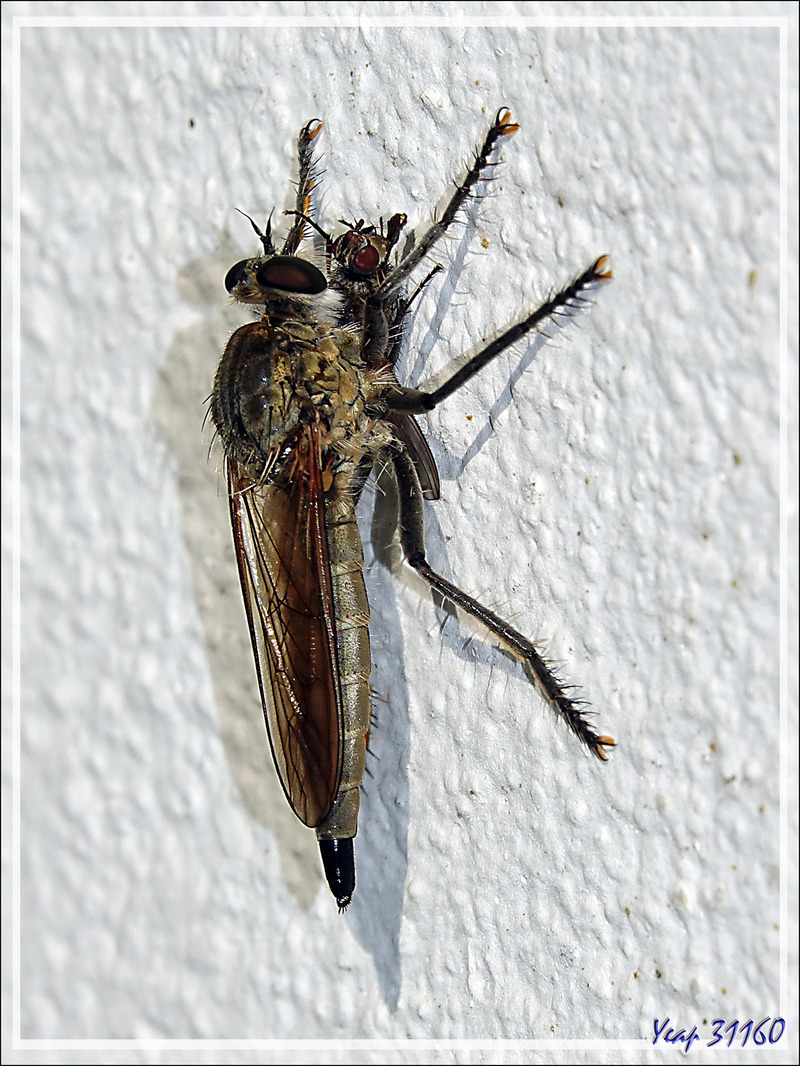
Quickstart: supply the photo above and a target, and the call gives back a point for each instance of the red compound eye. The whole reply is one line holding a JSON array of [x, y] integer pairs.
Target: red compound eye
[[367, 259]]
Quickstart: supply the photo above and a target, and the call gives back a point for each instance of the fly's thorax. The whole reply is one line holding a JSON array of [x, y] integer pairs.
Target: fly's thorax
[[284, 371]]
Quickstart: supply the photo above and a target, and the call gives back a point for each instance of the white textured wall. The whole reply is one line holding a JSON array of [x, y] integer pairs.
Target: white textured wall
[[623, 505]]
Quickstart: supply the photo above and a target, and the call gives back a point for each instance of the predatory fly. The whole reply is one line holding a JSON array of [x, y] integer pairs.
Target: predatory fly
[[306, 402]]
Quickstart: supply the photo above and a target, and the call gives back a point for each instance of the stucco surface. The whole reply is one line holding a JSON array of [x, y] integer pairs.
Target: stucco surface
[[614, 492]]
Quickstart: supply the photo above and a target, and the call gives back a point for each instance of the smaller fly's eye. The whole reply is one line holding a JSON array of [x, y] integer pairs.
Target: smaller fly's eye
[[291, 274], [236, 275], [367, 259]]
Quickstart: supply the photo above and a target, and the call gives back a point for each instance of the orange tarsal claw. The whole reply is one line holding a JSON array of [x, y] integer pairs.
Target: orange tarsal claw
[[504, 123], [600, 269], [604, 742]]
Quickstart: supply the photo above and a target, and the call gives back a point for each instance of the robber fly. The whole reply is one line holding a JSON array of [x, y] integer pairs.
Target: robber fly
[[306, 402]]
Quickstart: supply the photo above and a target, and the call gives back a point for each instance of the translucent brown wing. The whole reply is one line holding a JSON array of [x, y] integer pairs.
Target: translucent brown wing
[[409, 433], [282, 553], [407, 429]]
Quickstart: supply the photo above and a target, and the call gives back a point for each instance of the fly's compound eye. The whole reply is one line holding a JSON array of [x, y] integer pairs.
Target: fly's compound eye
[[359, 254], [291, 274], [237, 275], [367, 259]]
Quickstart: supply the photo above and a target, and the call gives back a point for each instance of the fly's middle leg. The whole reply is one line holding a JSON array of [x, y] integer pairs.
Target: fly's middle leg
[[563, 304], [412, 537]]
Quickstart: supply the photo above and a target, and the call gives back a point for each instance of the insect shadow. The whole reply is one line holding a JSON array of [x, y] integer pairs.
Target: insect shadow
[[179, 405]]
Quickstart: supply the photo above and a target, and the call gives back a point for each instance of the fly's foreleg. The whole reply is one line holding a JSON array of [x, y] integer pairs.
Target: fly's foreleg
[[383, 310], [383, 324], [413, 541], [503, 126], [306, 182], [563, 305], [403, 307]]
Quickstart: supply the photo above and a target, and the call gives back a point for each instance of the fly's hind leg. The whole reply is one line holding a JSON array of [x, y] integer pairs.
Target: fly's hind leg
[[413, 541]]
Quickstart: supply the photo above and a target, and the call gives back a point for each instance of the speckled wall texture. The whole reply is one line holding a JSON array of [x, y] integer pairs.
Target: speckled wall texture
[[619, 501]]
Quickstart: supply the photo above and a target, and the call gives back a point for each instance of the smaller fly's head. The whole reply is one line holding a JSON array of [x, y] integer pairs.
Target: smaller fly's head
[[360, 255], [274, 278]]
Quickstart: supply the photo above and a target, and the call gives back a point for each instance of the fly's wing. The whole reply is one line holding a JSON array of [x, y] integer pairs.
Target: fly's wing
[[407, 429], [408, 432], [282, 553]]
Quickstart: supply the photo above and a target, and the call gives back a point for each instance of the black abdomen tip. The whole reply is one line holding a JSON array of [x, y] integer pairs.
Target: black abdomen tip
[[340, 868]]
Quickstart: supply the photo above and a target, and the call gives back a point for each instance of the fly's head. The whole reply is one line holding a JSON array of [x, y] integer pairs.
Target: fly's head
[[275, 279], [360, 256]]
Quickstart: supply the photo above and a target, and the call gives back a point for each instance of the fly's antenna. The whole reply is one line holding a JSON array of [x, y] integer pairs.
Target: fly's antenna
[[265, 238]]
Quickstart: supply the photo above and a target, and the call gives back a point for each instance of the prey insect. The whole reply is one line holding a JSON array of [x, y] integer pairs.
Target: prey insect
[[306, 402]]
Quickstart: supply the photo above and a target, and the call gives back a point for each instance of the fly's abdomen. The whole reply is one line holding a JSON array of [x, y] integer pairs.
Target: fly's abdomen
[[351, 610]]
